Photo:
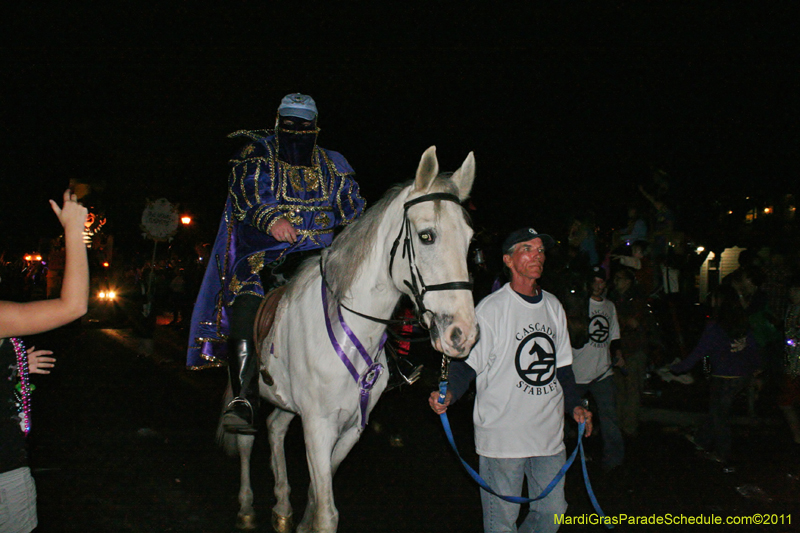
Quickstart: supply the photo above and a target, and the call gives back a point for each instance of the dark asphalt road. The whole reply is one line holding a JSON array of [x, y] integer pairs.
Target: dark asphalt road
[[125, 443]]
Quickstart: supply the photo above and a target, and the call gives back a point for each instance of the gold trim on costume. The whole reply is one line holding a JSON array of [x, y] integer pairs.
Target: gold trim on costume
[[305, 179], [252, 293], [235, 285], [322, 220], [295, 132], [289, 181], [201, 340], [256, 262], [313, 232], [215, 364], [293, 217], [271, 223], [286, 180]]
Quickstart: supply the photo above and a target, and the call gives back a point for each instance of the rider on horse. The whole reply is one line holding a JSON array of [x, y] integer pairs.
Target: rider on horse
[[286, 195]]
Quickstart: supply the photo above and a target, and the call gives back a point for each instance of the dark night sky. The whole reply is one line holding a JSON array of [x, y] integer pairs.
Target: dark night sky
[[565, 107]]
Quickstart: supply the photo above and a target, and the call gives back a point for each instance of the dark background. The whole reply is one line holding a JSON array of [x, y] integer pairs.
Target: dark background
[[566, 107]]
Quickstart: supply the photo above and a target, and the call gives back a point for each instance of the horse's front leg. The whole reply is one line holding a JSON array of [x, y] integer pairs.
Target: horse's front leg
[[246, 519], [343, 446], [321, 515], [277, 425]]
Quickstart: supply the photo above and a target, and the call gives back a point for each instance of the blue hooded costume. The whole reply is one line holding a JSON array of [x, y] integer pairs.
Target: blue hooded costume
[[262, 189]]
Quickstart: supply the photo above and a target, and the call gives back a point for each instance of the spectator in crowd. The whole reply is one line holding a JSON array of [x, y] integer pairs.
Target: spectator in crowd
[[729, 345], [635, 325], [178, 297], [582, 237], [662, 238], [747, 281], [776, 276], [635, 230], [593, 365], [639, 261], [17, 488], [790, 395]]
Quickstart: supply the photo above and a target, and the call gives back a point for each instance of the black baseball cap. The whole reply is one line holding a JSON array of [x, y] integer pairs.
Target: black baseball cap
[[526, 234]]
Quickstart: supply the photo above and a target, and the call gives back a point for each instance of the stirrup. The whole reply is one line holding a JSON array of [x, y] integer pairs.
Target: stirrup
[[416, 372], [234, 422]]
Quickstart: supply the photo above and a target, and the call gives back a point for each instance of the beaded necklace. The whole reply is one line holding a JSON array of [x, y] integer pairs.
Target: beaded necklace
[[23, 390]]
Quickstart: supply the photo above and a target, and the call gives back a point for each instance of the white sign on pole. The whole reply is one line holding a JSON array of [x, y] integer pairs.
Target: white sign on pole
[[160, 220]]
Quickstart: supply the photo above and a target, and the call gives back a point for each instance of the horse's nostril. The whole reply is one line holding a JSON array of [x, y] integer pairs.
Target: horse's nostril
[[455, 336]]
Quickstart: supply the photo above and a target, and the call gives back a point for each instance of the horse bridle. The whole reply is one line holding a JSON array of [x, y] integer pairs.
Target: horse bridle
[[417, 284]]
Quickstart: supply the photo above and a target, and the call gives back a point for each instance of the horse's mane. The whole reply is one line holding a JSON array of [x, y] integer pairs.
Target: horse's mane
[[350, 248], [343, 259]]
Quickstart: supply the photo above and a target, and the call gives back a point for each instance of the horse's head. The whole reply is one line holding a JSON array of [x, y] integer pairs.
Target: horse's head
[[437, 236]]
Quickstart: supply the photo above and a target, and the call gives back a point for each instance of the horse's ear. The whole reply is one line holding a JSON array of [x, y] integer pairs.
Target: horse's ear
[[465, 176], [427, 170]]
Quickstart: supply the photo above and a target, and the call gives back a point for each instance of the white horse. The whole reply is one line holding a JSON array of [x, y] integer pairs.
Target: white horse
[[413, 241]]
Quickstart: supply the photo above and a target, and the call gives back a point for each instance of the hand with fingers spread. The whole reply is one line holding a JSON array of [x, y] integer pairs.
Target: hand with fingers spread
[[38, 362]]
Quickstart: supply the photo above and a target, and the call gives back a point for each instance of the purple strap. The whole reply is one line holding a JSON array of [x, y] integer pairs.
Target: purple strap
[[353, 338], [348, 348]]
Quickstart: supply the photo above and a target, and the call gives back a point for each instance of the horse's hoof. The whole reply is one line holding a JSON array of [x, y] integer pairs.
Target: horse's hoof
[[282, 524], [246, 522]]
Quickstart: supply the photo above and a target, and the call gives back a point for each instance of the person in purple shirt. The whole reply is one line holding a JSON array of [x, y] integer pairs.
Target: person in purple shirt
[[732, 353]]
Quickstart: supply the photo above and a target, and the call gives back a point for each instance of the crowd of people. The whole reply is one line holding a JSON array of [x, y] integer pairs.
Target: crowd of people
[[578, 341], [630, 307]]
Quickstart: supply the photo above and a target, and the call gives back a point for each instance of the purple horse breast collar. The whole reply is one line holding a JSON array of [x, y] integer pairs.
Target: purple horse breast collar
[[358, 362]]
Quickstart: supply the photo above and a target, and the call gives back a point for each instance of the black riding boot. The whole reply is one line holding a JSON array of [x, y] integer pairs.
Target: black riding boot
[[241, 413]]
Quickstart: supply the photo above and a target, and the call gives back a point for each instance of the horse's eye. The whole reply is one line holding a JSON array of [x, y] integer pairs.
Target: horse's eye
[[427, 237]]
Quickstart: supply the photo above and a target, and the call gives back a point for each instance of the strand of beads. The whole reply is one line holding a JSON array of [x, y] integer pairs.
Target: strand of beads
[[24, 404]]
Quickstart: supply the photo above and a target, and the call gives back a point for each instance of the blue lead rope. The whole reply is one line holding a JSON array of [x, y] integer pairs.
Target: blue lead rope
[[518, 499]]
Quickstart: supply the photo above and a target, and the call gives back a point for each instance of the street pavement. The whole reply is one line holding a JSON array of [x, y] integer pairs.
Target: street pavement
[[123, 441]]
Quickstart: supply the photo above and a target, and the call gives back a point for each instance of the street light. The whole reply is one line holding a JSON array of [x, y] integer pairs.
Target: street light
[[186, 220]]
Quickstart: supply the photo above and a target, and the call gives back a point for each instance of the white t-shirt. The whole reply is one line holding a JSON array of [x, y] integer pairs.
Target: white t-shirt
[[593, 360], [519, 406]]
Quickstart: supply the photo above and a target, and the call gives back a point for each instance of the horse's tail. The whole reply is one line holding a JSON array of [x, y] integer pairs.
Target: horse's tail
[[226, 439]]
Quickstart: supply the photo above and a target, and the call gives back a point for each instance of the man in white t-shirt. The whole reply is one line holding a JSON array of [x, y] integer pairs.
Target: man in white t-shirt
[[593, 367], [524, 385]]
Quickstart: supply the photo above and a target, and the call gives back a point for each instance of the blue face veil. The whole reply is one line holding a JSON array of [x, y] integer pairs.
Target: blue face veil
[[297, 138]]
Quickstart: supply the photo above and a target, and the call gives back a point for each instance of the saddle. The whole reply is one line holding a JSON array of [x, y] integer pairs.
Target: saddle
[[265, 317]]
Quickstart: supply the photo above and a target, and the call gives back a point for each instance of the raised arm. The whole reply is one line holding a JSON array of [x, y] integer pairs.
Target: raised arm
[[17, 319]]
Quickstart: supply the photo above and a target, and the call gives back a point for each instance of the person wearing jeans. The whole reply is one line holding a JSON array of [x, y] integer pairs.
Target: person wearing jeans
[[593, 367], [524, 385]]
